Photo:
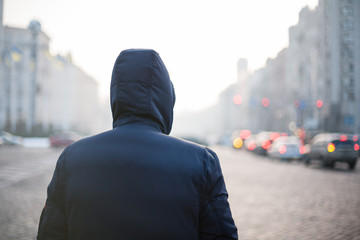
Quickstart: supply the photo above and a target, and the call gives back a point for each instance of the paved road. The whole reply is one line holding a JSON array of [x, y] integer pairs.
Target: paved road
[[270, 199], [24, 176], [279, 200]]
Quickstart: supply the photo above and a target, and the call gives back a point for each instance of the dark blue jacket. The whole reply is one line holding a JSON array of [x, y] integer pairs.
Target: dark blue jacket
[[135, 181]]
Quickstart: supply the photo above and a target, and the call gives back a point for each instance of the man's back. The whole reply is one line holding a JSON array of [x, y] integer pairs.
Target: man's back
[[135, 181], [132, 184]]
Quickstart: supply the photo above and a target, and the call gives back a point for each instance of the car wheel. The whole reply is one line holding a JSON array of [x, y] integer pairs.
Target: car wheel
[[352, 164], [306, 160]]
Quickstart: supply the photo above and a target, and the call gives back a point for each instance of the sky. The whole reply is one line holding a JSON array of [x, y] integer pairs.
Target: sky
[[200, 41]]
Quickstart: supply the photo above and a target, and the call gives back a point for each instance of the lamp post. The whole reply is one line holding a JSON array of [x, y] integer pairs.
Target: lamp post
[[319, 105], [35, 29]]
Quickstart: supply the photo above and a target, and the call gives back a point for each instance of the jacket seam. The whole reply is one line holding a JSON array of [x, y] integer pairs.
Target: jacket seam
[[64, 176], [208, 200], [204, 182], [150, 83], [57, 187]]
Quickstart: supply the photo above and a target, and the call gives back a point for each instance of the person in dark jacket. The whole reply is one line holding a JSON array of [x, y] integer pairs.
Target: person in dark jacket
[[135, 181]]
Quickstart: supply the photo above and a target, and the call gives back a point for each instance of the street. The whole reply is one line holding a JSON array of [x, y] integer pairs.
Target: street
[[270, 199]]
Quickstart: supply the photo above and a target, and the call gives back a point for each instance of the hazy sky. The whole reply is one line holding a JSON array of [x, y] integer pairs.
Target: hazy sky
[[200, 41]]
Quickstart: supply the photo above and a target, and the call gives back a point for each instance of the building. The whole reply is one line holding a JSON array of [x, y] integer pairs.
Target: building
[[24, 74], [324, 69], [40, 93], [313, 84]]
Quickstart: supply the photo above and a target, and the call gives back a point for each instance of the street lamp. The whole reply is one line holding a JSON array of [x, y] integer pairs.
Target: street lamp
[[265, 102], [319, 105], [35, 28], [237, 99]]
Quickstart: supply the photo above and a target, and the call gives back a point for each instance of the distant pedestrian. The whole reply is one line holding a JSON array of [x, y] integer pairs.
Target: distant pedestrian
[[135, 181]]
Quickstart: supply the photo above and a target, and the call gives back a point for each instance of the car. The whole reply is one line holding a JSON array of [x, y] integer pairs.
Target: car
[[239, 137], [63, 139], [330, 148], [7, 138], [286, 148], [356, 140], [262, 143], [250, 143], [264, 140]]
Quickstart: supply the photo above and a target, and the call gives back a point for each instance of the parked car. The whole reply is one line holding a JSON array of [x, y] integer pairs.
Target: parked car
[[250, 143], [239, 137], [286, 148], [264, 140], [330, 148], [9, 139], [356, 140], [63, 139]]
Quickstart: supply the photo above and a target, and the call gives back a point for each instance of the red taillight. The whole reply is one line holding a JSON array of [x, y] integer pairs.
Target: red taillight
[[356, 147], [343, 138], [266, 144], [274, 136], [245, 134], [282, 149], [355, 138], [302, 149], [251, 146]]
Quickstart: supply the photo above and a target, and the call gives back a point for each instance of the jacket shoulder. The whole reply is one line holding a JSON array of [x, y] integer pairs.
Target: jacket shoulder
[[192, 146]]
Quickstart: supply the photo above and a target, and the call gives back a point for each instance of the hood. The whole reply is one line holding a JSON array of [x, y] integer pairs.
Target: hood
[[141, 90]]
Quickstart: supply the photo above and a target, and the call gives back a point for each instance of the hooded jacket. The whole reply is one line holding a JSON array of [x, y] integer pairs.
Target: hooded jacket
[[134, 181]]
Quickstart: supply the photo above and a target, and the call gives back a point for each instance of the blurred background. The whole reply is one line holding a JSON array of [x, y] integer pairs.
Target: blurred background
[[256, 80], [279, 66]]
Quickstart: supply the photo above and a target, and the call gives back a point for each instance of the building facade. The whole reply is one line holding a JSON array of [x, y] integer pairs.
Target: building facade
[[40, 93], [313, 84], [325, 47]]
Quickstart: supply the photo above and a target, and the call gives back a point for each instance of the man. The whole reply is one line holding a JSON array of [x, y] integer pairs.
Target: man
[[135, 181]]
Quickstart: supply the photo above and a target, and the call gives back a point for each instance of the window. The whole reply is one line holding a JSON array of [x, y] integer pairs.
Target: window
[[351, 82], [345, 67], [351, 67], [301, 70], [347, 38], [347, 11], [351, 95], [300, 38], [348, 95], [346, 51], [347, 25]]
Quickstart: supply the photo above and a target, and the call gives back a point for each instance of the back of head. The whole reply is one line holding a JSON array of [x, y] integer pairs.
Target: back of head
[[141, 90]]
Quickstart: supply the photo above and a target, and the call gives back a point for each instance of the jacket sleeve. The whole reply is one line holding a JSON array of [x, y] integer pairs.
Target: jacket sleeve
[[52, 220], [216, 221]]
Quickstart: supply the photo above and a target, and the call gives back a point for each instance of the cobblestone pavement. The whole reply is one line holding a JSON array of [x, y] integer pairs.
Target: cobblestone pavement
[[269, 199], [278, 200], [24, 176]]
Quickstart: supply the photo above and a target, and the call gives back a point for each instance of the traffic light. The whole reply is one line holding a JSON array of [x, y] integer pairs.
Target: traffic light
[[237, 99], [265, 102], [319, 103]]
